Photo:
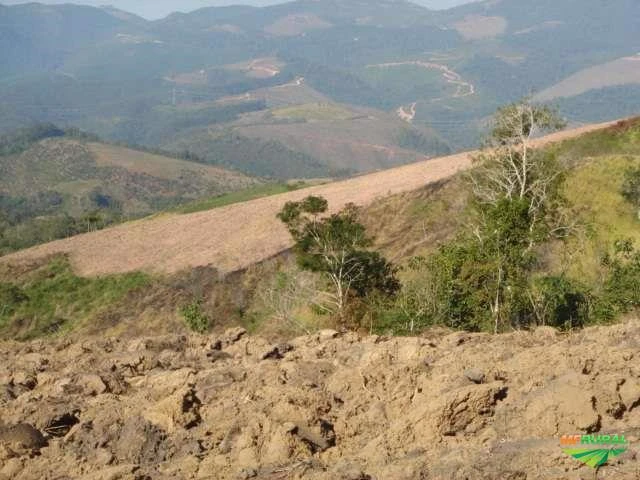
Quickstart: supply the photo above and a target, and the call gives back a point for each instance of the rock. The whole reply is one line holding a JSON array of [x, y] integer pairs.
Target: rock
[[317, 442], [103, 457], [22, 439], [474, 375], [90, 384], [216, 355], [327, 334], [25, 379], [345, 470], [232, 335], [630, 394], [11, 468], [562, 406], [182, 409], [141, 442], [277, 352], [466, 410], [246, 474]]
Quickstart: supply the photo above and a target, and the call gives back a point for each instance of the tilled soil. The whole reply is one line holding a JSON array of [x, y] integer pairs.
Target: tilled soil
[[443, 406]]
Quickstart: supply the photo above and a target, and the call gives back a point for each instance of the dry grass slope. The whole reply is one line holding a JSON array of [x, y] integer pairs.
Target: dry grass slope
[[236, 236], [159, 166]]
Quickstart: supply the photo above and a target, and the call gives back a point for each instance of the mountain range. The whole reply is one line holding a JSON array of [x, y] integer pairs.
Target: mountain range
[[314, 88]]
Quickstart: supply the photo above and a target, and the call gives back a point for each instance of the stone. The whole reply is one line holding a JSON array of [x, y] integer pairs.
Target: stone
[[91, 384], [474, 375]]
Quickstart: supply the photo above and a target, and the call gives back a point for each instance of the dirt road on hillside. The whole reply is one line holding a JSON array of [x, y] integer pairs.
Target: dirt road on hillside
[[236, 236]]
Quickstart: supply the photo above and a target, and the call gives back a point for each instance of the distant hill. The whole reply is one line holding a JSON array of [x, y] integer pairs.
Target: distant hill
[[55, 183], [169, 82]]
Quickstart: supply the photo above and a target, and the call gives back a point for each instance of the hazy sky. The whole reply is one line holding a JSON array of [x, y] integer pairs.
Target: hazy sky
[[153, 9]]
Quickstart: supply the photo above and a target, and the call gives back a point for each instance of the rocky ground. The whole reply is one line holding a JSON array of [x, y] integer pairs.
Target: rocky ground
[[326, 406]]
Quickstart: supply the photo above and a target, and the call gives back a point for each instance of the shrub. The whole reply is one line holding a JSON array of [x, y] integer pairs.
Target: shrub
[[559, 302], [10, 297], [194, 317], [630, 189], [621, 290]]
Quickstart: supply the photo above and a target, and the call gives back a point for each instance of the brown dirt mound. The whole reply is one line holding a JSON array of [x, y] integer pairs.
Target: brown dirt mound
[[236, 236], [326, 406]]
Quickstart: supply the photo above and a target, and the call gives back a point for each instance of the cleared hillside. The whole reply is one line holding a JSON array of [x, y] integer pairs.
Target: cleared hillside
[[623, 71], [70, 165], [239, 235]]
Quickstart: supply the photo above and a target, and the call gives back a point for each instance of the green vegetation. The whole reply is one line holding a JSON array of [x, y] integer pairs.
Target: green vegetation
[[631, 187], [22, 139], [413, 139], [314, 111], [621, 289], [336, 247], [254, 156], [152, 83], [551, 256], [51, 299], [55, 183], [245, 195], [195, 318]]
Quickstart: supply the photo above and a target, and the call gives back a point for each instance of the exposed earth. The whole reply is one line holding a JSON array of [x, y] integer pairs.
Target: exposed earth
[[326, 406]]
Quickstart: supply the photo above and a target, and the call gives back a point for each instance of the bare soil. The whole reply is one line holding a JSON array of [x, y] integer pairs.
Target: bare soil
[[445, 406]]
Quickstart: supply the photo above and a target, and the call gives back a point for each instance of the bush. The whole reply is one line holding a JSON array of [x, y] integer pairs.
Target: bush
[[195, 318], [559, 302], [631, 187], [621, 290], [10, 297]]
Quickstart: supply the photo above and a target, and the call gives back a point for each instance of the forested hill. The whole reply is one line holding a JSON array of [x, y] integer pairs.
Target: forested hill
[[56, 182], [223, 73]]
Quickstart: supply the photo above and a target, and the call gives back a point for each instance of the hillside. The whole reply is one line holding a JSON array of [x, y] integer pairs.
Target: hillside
[[313, 140], [417, 222], [65, 184], [236, 236]]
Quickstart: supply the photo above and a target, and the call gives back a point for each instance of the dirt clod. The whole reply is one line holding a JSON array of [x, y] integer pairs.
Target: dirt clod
[[322, 407]]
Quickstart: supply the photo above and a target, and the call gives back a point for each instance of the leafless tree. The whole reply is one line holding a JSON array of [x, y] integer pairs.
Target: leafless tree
[[509, 167]]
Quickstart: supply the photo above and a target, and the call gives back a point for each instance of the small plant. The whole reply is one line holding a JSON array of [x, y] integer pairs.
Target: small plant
[[10, 297], [194, 317], [631, 187]]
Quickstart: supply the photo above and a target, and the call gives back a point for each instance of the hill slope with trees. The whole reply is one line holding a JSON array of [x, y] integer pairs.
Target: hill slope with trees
[[55, 183]]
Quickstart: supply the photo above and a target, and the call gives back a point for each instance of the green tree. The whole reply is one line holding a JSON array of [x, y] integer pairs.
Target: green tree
[[337, 247], [482, 279]]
